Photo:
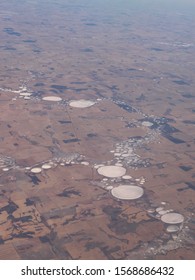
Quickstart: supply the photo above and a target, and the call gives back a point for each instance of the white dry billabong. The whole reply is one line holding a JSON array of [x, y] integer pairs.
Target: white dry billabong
[[85, 163], [172, 229], [52, 98], [172, 218], [5, 169], [46, 166], [36, 170], [127, 177], [112, 171], [25, 94], [163, 212], [127, 192], [82, 103]]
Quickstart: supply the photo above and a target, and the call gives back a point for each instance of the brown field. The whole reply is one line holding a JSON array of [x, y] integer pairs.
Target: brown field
[[137, 66]]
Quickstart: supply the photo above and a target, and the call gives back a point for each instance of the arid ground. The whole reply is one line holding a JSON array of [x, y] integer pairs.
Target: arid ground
[[137, 66]]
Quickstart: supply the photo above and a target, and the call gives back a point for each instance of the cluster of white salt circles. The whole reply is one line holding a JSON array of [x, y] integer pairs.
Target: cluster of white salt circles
[[49, 165], [37, 170], [82, 103], [126, 192], [172, 220]]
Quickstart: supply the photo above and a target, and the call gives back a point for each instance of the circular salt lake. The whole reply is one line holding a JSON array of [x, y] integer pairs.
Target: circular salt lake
[[172, 218], [112, 171], [85, 163], [5, 169], [25, 94], [46, 166], [127, 192], [82, 103], [172, 229], [36, 170], [52, 98], [127, 177]]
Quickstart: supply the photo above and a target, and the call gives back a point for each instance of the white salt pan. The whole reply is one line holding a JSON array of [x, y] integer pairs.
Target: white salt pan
[[85, 163], [163, 203], [5, 169], [82, 103], [162, 212], [112, 171], [126, 177], [36, 170], [25, 94], [127, 192], [52, 98], [172, 229], [172, 218], [46, 166]]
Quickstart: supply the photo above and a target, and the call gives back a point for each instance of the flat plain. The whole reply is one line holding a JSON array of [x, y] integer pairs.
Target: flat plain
[[137, 68]]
